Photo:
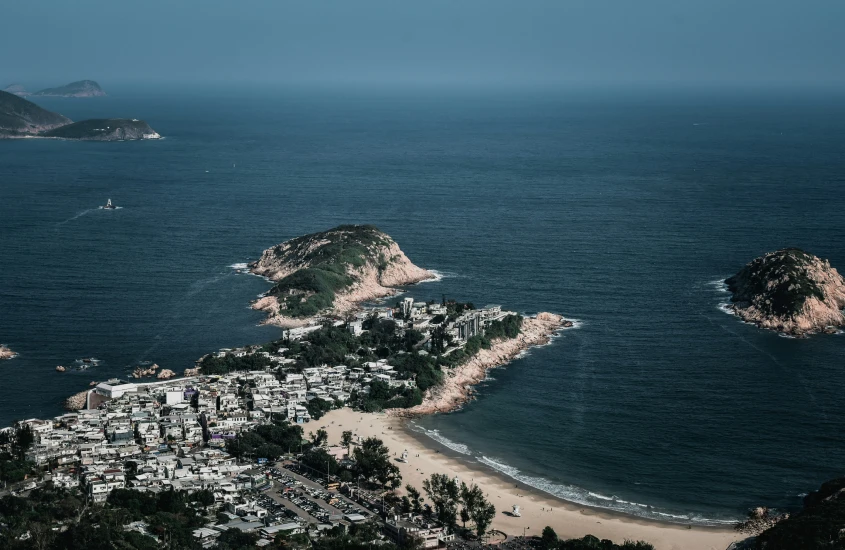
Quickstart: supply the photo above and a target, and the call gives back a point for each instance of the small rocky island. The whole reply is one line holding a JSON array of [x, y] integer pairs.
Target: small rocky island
[[6, 353], [20, 118], [789, 291], [331, 272], [80, 88]]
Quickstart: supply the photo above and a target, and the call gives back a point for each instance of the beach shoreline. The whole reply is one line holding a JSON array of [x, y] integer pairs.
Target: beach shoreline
[[538, 508]]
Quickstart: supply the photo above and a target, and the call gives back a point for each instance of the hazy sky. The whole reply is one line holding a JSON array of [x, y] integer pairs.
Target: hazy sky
[[484, 42]]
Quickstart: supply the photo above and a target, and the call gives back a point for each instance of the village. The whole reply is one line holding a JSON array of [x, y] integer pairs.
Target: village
[[184, 434]]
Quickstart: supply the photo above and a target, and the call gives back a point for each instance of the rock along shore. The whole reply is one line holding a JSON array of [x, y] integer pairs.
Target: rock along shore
[[456, 388]]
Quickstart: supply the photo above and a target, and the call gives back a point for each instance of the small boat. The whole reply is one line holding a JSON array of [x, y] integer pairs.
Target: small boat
[[108, 206]]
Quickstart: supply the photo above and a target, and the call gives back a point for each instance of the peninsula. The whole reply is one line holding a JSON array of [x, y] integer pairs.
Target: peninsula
[[331, 272], [789, 291], [20, 118]]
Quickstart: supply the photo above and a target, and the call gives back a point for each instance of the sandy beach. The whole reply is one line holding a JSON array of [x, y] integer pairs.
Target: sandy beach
[[538, 509]]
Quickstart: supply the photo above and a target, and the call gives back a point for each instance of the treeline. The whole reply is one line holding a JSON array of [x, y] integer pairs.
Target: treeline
[[211, 364], [550, 541], [268, 441], [171, 517]]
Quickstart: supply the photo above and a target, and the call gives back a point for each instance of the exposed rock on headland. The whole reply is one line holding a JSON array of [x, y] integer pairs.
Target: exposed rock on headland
[[331, 272], [6, 353], [140, 372], [789, 291], [456, 388]]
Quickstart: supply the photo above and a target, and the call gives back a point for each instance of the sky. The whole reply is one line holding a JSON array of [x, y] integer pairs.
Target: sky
[[507, 43]]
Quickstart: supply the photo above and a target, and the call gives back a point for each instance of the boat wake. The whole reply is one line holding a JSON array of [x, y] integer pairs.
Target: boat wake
[[83, 213]]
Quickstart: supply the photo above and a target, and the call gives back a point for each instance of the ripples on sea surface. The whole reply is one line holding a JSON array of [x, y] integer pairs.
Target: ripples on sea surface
[[620, 211]]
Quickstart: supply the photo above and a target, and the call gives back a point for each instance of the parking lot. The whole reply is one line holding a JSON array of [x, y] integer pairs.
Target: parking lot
[[297, 492]]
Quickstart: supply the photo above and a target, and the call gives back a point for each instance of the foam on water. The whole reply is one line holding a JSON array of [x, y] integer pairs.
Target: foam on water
[[243, 265], [446, 442], [581, 496]]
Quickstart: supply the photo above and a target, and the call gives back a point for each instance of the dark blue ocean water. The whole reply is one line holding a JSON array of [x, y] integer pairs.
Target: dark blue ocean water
[[618, 210]]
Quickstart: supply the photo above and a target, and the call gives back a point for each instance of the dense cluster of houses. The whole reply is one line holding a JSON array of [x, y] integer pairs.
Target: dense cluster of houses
[[172, 434]]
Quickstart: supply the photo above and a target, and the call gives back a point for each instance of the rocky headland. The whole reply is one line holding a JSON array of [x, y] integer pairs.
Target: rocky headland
[[457, 385], [331, 273], [20, 118], [789, 291], [6, 353]]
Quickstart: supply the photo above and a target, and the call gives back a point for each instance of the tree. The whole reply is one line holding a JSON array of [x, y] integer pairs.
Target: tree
[[23, 440], [372, 460], [346, 438], [549, 539], [445, 494], [319, 438], [482, 516], [415, 498]]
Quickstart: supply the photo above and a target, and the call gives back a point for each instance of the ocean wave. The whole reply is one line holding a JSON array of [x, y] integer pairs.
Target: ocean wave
[[243, 265], [446, 442], [719, 285], [581, 496], [440, 275], [725, 307]]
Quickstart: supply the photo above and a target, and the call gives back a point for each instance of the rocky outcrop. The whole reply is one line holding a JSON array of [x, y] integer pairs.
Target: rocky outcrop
[[80, 88], [141, 372], [331, 273], [77, 401], [165, 374], [789, 291], [456, 388], [191, 372], [6, 353]]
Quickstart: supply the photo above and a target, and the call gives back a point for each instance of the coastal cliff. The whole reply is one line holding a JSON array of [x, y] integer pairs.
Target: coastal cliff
[[789, 291], [456, 387], [20, 118], [6, 353], [331, 272], [80, 88]]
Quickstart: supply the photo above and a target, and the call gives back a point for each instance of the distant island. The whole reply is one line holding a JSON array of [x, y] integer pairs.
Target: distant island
[[331, 272], [80, 88], [20, 118], [789, 291], [6, 353]]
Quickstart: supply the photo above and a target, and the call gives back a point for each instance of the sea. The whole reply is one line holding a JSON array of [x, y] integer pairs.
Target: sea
[[622, 210]]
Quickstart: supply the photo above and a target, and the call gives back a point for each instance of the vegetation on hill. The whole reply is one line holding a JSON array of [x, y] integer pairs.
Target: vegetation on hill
[[817, 526], [328, 261], [21, 117], [550, 541], [103, 129], [782, 278]]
